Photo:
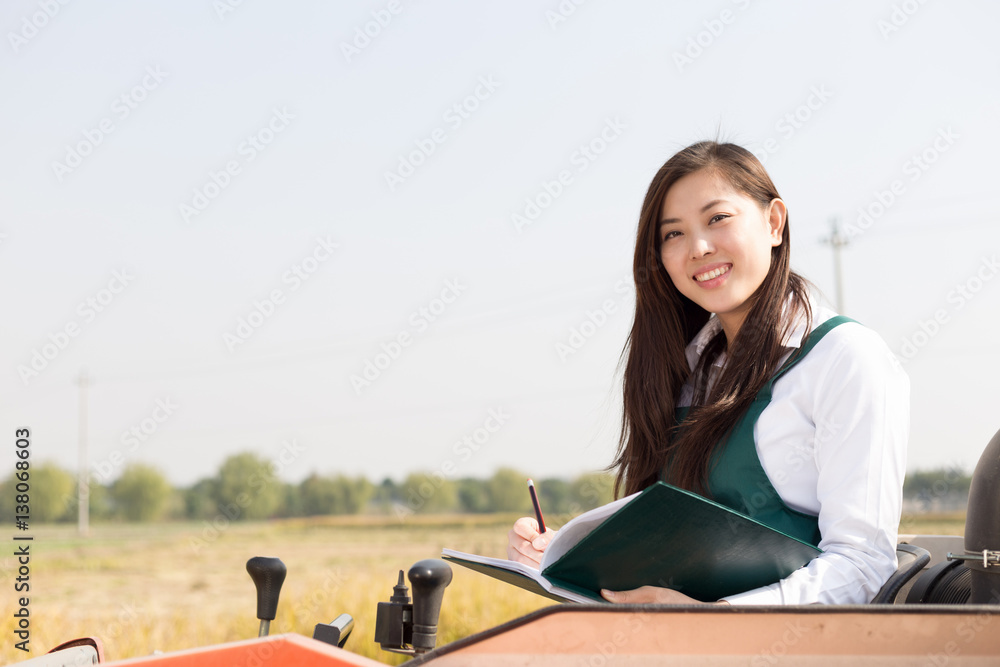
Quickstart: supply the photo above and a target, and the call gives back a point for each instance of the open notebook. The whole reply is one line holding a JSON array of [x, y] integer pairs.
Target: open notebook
[[661, 536]]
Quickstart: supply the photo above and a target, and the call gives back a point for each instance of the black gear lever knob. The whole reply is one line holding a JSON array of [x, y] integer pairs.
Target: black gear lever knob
[[268, 574], [428, 578]]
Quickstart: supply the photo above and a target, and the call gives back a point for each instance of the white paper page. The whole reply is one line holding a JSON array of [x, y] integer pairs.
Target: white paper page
[[580, 527], [512, 565], [521, 568]]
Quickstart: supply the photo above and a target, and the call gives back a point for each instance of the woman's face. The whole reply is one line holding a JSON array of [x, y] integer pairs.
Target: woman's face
[[716, 244]]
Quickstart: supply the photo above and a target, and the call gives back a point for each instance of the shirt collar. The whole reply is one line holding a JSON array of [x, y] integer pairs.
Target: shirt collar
[[696, 347]]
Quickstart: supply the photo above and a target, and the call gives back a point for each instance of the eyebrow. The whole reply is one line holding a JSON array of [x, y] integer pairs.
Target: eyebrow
[[704, 208]]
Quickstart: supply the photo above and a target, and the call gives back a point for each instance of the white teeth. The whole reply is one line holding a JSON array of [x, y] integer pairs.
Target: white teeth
[[711, 274]]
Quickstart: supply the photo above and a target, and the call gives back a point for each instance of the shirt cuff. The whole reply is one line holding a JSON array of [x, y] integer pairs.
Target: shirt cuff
[[763, 595]]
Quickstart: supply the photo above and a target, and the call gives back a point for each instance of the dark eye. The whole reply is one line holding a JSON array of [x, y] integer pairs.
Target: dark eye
[[718, 216], [669, 235]]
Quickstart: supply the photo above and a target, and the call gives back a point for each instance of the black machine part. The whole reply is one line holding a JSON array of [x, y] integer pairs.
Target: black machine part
[[268, 574], [402, 627], [972, 577], [394, 620], [945, 583], [912, 560], [428, 578], [982, 527]]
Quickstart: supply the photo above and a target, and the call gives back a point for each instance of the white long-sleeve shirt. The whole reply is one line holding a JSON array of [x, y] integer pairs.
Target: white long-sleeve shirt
[[833, 444]]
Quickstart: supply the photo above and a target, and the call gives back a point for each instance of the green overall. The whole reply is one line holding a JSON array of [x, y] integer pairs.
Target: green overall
[[736, 478]]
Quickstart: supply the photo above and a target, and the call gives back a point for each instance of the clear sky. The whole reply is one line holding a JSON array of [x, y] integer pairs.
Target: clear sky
[[225, 211]]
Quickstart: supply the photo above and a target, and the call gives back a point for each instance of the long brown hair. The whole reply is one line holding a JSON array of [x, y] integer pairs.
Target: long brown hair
[[656, 366]]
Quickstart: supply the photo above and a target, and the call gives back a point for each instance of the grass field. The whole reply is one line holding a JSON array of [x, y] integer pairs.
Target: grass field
[[166, 587]]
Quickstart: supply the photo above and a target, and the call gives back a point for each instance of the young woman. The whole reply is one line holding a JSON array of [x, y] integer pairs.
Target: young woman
[[739, 387]]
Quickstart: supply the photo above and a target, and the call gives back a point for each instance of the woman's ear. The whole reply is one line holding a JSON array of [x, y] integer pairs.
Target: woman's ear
[[776, 214]]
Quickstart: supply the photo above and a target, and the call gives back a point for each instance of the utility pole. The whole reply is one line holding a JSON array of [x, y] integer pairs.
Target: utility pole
[[83, 478], [838, 241]]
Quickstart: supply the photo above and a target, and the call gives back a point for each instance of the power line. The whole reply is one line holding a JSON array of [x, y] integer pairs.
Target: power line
[[837, 241]]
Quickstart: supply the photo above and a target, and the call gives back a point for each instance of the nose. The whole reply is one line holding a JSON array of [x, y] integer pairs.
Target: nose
[[700, 246]]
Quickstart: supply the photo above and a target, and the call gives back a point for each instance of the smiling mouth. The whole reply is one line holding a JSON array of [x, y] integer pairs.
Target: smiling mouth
[[714, 273]]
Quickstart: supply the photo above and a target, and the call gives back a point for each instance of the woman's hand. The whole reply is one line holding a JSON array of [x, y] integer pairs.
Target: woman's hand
[[525, 544], [652, 594]]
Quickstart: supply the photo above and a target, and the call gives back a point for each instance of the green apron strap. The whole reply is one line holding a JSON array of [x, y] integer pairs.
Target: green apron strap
[[814, 337], [736, 477]]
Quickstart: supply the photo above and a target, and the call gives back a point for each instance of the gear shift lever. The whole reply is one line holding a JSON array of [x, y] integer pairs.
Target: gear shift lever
[[268, 574]]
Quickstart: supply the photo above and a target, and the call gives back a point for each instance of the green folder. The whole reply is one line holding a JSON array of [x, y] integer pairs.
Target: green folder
[[662, 536]]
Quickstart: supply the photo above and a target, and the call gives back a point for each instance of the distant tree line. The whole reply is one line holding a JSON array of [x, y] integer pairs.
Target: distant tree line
[[246, 488], [939, 490], [937, 482]]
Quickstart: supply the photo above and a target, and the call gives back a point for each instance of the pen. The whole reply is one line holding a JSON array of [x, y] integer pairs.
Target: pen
[[538, 508]]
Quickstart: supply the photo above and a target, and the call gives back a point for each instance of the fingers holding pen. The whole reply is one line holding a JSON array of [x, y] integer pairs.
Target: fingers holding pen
[[525, 544], [519, 542]]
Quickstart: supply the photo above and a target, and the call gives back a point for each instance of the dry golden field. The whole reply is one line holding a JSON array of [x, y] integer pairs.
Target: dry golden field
[[166, 587]]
